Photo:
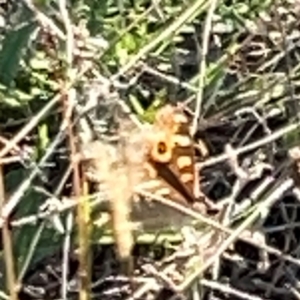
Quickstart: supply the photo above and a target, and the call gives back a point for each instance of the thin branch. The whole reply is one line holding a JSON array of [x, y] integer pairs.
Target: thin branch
[[69, 100], [29, 126], [205, 46], [278, 192], [197, 216], [12, 287], [186, 16], [259, 143], [44, 21]]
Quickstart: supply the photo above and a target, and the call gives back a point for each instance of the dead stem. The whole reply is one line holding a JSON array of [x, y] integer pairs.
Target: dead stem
[[202, 65], [278, 191], [79, 186], [247, 148], [28, 127], [7, 247], [79, 190]]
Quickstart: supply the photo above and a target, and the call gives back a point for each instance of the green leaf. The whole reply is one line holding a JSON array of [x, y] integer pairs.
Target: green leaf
[[40, 62], [23, 236], [13, 97], [13, 44], [43, 136]]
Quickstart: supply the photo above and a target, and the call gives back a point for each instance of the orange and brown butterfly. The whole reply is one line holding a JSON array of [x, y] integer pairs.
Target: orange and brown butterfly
[[161, 159], [170, 159]]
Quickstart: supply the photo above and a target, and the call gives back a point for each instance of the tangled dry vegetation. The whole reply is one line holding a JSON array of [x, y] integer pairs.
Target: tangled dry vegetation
[[79, 71]]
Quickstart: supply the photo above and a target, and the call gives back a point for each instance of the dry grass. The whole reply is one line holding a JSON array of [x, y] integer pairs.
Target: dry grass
[[68, 78]]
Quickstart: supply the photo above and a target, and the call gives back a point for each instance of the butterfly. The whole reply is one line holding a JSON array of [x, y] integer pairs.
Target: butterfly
[[160, 159], [169, 167]]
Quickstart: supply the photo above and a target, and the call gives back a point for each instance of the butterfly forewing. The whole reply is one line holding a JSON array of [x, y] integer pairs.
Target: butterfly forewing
[[171, 156]]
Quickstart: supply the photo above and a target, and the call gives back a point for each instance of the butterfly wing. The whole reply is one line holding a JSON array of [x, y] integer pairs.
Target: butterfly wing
[[171, 154]]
